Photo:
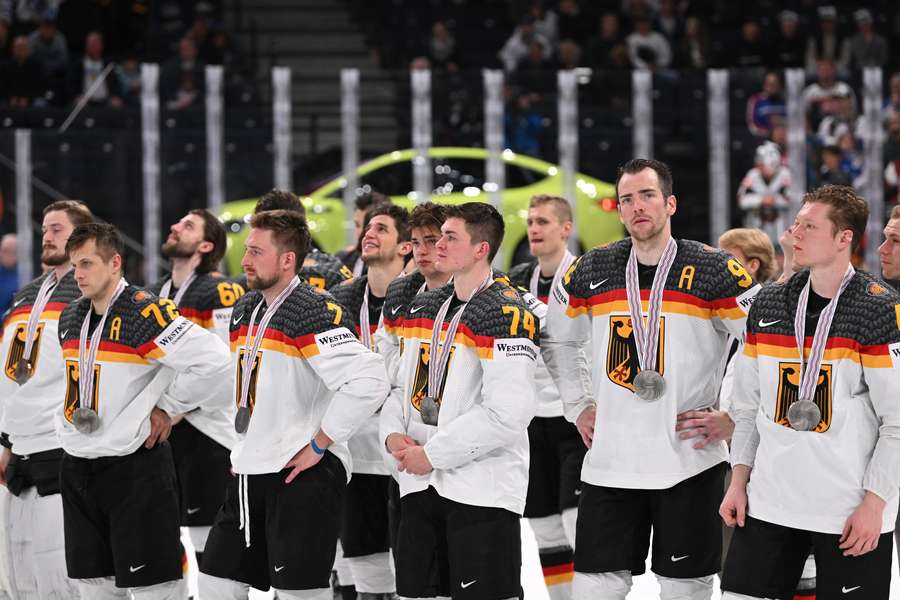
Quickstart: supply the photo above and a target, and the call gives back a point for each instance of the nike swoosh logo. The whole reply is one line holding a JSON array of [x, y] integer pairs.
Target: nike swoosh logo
[[64, 333], [764, 323], [136, 569], [236, 321], [845, 590], [277, 568], [677, 558], [18, 302], [594, 286], [192, 511], [464, 585], [395, 310], [577, 492], [413, 311]]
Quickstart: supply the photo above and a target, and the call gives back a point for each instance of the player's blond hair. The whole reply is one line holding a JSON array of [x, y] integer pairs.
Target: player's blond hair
[[753, 243], [895, 212]]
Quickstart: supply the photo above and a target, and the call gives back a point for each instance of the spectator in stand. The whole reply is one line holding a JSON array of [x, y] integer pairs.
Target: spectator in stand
[[535, 74], [894, 45], [21, 76], [9, 275], [867, 48], [523, 126], [892, 104], [199, 34], [441, 46], [600, 45], [892, 180], [765, 109], [841, 117], [573, 23], [822, 97], [181, 68], [789, 47], [825, 43], [129, 73], [21, 17], [87, 69], [185, 95], [669, 22], [648, 49], [516, 47], [48, 47], [892, 141], [831, 171], [692, 51], [569, 55], [763, 195], [851, 158], [750, 51], [545, 21]]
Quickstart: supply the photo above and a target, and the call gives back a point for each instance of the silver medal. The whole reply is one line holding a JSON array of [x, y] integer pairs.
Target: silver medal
[[429, 409], [242, 419], [649, 385], [23, 371], [804, 415], [85, 420]]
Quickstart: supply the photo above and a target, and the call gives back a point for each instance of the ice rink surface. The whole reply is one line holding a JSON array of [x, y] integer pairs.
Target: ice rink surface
[[645, 586]]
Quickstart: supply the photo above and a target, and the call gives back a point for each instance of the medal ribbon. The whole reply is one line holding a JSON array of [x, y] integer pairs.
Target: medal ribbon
[[809, 369], [647, 338], [40, 303], [365, 332], [252, 343], [440, 354], [568, 259], [87, 358], [167, 288]]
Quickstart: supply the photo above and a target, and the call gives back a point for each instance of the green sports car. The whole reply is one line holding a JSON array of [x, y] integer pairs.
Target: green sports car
[[458, 176]]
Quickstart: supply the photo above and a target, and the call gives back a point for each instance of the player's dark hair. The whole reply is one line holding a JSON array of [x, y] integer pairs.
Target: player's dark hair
[[636, 165], [279, 200], [76, 211], [106, 237], [847, 209], [214, 233], [399, 214], [370, 199], [483, 223], [427, 215], [289, 231]]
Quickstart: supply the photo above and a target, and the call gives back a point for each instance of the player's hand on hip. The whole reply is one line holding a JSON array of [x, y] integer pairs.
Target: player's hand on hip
[[398, 441], [585, 425], [413, 460], [5, 457], [305, 459], [709, 426], [863, 528], [160, 427], [733, 509]]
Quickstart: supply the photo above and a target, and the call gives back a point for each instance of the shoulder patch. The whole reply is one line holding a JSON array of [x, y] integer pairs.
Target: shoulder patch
[[140, 297], [510, 293], [876, 289]]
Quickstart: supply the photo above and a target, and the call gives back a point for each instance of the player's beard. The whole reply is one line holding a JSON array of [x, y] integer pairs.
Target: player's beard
[[262, 283], [178, 250], [652, 234], [54, 259]]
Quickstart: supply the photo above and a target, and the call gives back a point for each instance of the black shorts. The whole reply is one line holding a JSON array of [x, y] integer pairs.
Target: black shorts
[[121, 517], [366, 524], [446, 548], [613, 530], [293, 529], [554, 474], [766, 560], [203, 467]]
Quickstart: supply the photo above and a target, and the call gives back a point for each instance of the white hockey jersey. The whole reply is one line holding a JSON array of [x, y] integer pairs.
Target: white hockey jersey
[[754, 187]]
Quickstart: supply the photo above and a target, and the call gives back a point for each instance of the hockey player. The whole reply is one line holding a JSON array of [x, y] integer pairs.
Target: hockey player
[[889, 251], [201, 440], [638, 474], [33, 382], [817, 424], [764, 192], [304, 385], [365, 531], [319, 269], [120, 502], [456, 421], [425, 222], [556, 449]]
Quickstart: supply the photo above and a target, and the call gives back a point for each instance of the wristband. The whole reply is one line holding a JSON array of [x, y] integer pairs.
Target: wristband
[[315, 447]]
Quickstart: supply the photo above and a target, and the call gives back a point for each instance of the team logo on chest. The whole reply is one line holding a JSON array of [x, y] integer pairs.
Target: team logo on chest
[[789, 392], [17, 350], [622, 364], [73, 393], [420, 383]]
